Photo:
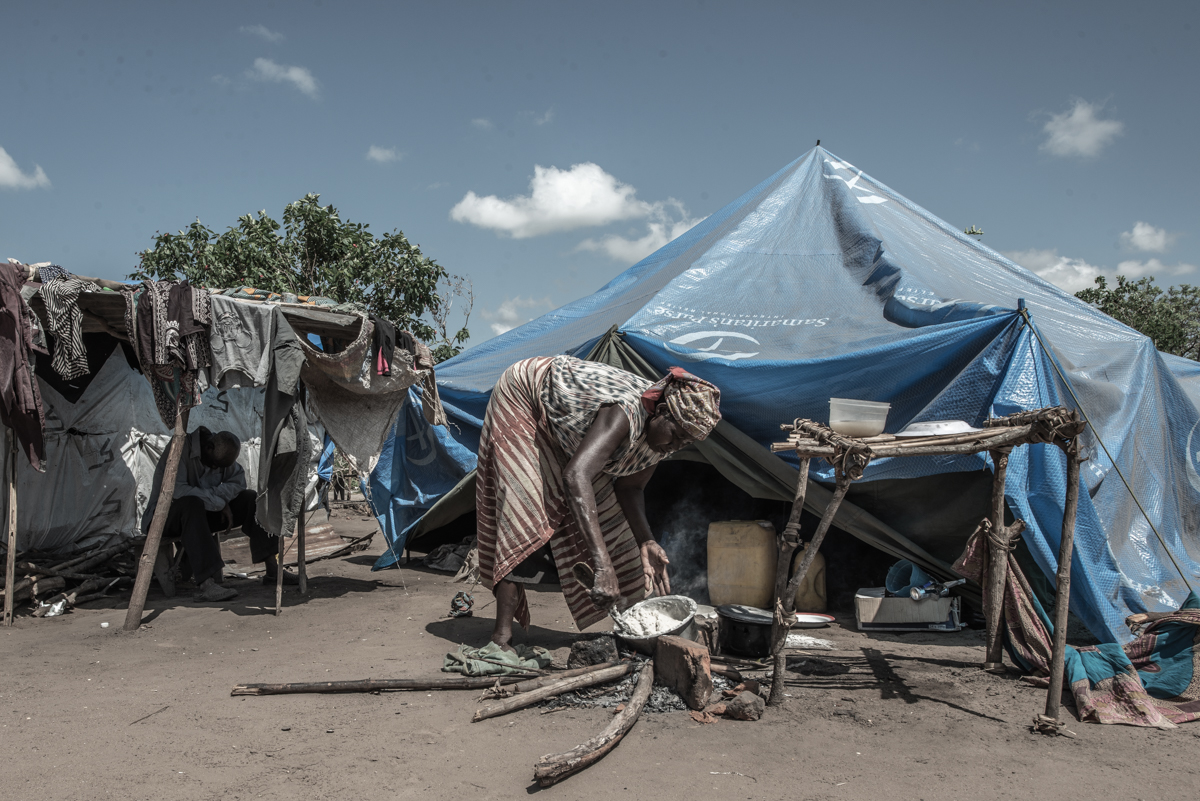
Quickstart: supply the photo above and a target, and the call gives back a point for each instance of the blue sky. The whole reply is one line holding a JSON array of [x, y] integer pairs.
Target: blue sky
[[541, 148]]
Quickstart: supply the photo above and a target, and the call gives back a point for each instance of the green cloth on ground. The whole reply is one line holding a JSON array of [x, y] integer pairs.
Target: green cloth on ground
[[469, 661]]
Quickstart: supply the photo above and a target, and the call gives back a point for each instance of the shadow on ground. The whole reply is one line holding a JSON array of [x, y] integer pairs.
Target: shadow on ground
[[254, 598], [872, 671]]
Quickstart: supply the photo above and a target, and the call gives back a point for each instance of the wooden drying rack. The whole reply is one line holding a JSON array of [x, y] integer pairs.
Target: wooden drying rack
[[850, 456]]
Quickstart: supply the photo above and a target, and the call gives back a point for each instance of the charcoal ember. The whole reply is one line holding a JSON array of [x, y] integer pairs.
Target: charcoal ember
[[593, 651], [610, 696]]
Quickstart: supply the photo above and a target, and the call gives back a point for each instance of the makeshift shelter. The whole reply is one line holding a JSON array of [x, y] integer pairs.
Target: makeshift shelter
[[103, 445], [822, 282], [244, 360]]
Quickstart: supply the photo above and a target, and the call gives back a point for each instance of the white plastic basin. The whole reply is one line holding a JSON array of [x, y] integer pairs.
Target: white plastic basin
[[857, 418]]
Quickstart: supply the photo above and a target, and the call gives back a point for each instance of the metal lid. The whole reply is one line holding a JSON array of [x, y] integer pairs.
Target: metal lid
[[745, 614]]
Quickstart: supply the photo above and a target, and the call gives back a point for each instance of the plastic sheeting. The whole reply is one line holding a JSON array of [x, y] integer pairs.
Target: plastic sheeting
[[420, 463], [822, 281], [101, 453]]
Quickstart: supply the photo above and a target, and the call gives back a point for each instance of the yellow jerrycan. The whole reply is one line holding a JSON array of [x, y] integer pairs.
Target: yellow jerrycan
[[810, 595], [741, 563]]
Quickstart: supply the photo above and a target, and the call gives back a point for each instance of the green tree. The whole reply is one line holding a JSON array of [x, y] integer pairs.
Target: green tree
[[1170, 317], [316, 252]]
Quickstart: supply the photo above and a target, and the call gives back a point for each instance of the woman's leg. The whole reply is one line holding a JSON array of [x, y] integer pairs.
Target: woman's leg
[[506, 606]]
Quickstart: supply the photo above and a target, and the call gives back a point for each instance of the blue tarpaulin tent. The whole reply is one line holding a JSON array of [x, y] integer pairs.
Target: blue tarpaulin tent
[[822, 282]]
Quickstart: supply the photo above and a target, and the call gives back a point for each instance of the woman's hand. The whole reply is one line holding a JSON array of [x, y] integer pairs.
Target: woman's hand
[[654, 566], [606, 591]]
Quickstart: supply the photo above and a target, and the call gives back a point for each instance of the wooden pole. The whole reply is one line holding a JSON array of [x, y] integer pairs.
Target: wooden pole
[[509, 684], [787, 542], [301, 570], [786, 605], [997, 566], [373, 685], [1062, 591], [279, 577], [137, 602], [10, 562]]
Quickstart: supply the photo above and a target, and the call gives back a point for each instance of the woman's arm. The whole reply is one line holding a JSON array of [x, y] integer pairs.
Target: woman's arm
[[608, 432], [631, 494], [632, 497]]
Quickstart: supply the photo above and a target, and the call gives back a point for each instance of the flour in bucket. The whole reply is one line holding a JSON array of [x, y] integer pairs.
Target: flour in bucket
[[655, 616], [646, 621]]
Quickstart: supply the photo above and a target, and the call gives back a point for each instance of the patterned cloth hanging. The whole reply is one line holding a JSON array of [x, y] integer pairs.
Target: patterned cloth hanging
[[168, 324], [65, 321]]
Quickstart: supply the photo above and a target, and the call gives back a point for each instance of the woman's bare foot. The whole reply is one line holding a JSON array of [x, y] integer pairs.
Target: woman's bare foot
[[504, 643]]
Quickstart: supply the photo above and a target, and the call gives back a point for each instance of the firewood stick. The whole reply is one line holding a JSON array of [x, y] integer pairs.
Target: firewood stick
[[103, 556], [83, 589], [553, 768], [31, 569], [95, 596], [38, 586], [77, 565], [372, 685], [737, 661], [727, 672], [532, 697], [529, 685]]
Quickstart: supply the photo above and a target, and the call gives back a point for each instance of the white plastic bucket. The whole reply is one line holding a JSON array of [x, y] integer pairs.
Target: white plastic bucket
[[857, 418]]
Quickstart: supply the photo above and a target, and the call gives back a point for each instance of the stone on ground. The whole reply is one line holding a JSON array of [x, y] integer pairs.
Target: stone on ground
[[747, 706]]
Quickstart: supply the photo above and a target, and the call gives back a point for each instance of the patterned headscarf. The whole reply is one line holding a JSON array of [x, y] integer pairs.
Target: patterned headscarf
[[693, 402]]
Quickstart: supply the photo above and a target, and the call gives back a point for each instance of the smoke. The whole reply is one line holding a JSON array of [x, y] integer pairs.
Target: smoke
[[684, 536]]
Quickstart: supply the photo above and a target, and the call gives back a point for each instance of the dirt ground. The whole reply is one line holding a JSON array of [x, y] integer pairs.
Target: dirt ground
[[92, 712]]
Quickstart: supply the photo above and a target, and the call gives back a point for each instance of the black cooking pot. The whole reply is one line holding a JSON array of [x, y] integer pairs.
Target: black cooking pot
[[745, 630]]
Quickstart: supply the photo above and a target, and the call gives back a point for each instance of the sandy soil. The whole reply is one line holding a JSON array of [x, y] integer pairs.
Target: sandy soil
[[91, 712]]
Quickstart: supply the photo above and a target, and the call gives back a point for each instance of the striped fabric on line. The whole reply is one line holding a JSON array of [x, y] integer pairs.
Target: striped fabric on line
[[61, 296]]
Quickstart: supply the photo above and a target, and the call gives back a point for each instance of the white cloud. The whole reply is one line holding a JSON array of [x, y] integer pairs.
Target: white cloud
[[1079, 132], [660, 230], [262, 32], [382, 154], [11, 176], [1073, 275], [1146, 237], [221, 80], [267, 70], [512, 313], [483, 123], [1065, 273], [542, 119], [558, 200], [1164, 274]]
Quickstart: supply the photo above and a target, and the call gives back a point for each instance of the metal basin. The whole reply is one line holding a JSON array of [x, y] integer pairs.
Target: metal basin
[[678, 607]]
